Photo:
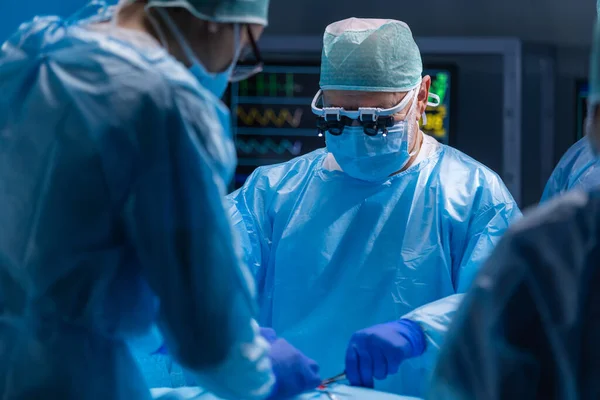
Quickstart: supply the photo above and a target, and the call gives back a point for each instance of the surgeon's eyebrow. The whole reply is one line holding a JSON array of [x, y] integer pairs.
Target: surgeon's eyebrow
[[396, 99]]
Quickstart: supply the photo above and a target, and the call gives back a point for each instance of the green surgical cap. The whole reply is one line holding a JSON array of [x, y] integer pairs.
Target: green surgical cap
[[225, 11], [371, 55]]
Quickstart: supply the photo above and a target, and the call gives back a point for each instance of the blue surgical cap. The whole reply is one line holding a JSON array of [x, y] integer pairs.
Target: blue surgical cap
[[371, 55], [225, 11]]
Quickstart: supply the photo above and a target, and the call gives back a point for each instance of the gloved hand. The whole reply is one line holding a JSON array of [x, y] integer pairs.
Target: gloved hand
[[294, 372], [378, 351], [162, 350]]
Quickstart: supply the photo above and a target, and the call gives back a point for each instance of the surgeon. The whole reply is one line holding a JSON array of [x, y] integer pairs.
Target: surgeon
[[362, 250], [529, 327], [577, 169], [115, 152]]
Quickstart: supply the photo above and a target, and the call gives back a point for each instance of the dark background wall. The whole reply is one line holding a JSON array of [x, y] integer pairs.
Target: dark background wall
[[565, 26], [566, 23]]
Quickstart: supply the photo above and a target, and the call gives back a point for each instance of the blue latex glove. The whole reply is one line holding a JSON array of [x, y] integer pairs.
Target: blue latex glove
[[378, 351], [269, 334], [162, 350], [294, 372]]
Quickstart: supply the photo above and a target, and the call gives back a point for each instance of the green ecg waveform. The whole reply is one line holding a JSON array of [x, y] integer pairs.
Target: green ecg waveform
[[267, 146], [268, 116], [269, 85]]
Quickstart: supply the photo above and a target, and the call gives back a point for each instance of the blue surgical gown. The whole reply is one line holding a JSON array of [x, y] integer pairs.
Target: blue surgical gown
[[529, 327], [332, 254], [577, 169], [113, 167]]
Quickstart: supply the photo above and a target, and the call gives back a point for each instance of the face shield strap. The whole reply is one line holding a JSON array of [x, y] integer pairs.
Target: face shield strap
[[373, 120]]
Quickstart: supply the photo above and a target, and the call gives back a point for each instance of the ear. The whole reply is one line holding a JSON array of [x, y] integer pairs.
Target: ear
[[423, 95]]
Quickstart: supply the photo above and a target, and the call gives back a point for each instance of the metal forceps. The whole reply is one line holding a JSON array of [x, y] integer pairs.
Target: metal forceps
[[329, 381], [337, 378]]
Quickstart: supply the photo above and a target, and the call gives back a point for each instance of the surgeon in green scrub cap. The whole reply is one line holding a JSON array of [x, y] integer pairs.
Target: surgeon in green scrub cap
[[363, 249]]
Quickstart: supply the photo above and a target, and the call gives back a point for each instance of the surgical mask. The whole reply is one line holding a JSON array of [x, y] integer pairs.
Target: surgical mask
[[375, 158], [216, 83]]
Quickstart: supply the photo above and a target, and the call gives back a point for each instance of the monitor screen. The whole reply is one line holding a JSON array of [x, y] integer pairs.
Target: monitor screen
[[273, 121], [581, 111]]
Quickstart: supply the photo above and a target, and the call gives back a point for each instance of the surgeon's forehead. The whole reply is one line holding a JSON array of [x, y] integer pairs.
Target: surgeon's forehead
[[351, 100]]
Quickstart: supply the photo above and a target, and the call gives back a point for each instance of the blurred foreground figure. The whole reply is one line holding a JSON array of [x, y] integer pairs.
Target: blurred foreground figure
[[115, 152]]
